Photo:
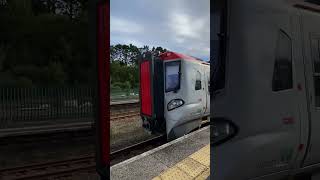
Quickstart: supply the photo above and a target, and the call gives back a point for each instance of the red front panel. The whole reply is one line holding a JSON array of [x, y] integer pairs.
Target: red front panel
[[145, 88]]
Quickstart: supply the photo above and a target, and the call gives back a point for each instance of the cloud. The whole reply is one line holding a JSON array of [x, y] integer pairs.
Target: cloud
[[119, 25], [180, 25]]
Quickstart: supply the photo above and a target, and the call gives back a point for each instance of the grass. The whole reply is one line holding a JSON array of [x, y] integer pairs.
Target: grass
[[124, 94]]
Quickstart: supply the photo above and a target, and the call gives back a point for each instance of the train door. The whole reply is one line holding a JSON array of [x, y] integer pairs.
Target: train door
[[311, 38], [199, 89], [206, 90]]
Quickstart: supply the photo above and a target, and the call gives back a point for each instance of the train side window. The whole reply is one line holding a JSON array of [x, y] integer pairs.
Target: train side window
[[316, 61], [316, 65], [198, 81], [219, 45], [282, 74], [317, 90]]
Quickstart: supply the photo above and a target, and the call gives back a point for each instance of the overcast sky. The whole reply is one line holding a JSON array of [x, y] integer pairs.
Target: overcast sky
[[178, 25]]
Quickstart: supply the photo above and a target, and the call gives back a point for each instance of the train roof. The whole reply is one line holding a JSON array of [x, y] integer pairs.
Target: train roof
[[174, 55], [308, 5]]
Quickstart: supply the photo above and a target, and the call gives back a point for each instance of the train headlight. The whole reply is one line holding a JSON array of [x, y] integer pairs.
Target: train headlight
[[175, 103], [222, 130]]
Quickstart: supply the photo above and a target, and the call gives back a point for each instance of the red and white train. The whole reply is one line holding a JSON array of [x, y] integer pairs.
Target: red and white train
[[174, 93], [266, 90]]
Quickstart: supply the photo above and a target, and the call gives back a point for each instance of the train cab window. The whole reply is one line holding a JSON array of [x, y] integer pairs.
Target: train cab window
[[282, 74], [172, 77], [198, 81]]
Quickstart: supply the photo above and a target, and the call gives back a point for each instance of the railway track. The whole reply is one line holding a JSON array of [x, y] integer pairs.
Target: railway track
[[136, 149], [67, 168], [124, 110], [124, 114], [50, 170]]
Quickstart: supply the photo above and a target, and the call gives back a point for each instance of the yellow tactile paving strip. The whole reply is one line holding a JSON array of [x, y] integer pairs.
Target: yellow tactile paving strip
[[194, 167]]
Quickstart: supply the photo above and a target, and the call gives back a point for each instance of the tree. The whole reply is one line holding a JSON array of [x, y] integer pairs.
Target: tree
[[124, 54], [47, 47], [124, 64], [20, 7], [2, 57], [24, 82], [56, 74]]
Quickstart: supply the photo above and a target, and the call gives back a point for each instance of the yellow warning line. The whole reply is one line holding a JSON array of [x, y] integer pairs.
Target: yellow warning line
[[194, 167]]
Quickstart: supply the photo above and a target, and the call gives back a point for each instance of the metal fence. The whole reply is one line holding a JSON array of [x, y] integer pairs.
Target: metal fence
[[20, 107]]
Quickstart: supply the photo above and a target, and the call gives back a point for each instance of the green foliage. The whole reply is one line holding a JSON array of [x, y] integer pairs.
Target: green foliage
[[44, 43], [56, 73], [124, 54], [124, 74], [24, 82], [124, 70], [128, 54], [7, 79], [46, 48], [2, 57], [20, 7]]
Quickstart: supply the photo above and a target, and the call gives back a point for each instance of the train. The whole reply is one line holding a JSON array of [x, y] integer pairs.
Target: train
[[265, 110], [174, 93]]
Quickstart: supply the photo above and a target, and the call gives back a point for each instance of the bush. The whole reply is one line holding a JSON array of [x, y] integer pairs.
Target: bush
[[126, 85], [115, 88], [7, 79], [24, 82]]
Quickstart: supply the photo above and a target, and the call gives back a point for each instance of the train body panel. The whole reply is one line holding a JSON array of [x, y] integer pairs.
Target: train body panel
[[184, 93], [261, 110], [310, 30]]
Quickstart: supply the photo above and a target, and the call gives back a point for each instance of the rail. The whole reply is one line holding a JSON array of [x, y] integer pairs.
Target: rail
[[51, 170]]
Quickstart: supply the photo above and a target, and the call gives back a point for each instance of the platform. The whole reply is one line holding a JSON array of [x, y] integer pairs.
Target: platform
[[187, 157]]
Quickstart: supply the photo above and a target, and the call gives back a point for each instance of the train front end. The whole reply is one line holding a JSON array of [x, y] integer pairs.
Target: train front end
[[159, 76], [173, 93], [151, 93], [186, 94]]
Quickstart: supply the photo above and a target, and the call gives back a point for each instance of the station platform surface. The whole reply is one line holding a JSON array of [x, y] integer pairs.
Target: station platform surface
[[187, 157]]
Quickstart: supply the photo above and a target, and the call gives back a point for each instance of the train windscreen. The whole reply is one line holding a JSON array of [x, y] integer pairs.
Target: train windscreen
[[172, 70]]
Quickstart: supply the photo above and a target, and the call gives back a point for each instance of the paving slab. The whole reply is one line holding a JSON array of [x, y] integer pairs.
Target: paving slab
[[176, 158]]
